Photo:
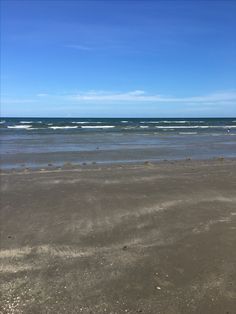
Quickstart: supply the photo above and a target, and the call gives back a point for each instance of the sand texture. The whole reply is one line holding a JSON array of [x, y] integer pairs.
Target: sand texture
[[150, 238]]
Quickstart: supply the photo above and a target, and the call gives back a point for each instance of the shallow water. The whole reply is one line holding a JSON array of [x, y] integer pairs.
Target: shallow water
[[39, 141]]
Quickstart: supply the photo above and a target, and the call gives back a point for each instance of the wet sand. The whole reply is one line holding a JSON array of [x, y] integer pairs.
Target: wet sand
[[147, 238]]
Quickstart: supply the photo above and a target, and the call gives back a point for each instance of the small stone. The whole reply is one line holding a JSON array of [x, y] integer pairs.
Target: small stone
[[125, 247], [158, 288]]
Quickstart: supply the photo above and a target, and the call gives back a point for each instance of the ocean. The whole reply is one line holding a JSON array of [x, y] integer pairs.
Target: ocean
[[37, 142]]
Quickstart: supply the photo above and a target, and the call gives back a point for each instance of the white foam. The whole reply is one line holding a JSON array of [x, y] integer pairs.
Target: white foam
[[26, 122], [175, 127], [63, 127], [144, 127], [80, 122], [177, 121], [97, 126], [85, 122], [187, 133], [124, 121], [197, 127], [19, 126], [168, 129], [3, 121], [155, 122], [173, 121]]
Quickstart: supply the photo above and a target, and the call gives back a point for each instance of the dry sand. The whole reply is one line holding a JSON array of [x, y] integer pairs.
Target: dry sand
[[152, 238]]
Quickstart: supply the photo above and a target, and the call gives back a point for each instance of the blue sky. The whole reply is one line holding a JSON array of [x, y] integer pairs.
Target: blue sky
[[118, 58]]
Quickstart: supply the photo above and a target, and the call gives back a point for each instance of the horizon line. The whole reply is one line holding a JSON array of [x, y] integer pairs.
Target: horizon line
[[124, 117]]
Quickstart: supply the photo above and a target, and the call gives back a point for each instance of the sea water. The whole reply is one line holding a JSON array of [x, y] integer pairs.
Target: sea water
[[39, 141]]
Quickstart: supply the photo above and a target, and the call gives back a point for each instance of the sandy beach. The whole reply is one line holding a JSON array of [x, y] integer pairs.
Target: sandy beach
[[134, 238]]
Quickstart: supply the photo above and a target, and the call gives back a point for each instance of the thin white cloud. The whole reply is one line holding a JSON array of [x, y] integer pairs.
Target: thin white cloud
[[42, 95], [227, 98], [142, 96], [79, 47]]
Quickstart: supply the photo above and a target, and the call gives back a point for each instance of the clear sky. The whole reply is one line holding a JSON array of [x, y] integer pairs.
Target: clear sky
[[118, 58]]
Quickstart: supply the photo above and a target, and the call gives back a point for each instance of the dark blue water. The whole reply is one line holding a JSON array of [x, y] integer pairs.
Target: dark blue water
[[38, 141], [173, 125]]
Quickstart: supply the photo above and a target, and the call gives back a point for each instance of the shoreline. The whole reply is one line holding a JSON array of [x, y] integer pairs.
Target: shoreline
[[141, 238], [99, 164]]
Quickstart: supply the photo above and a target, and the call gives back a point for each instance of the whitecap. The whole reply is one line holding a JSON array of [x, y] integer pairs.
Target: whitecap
[[197, 127], [156, 122], [177, 121], [97, 127], [19, 126], [168, 129], [63, 127], [80, 122], [86, 122]]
